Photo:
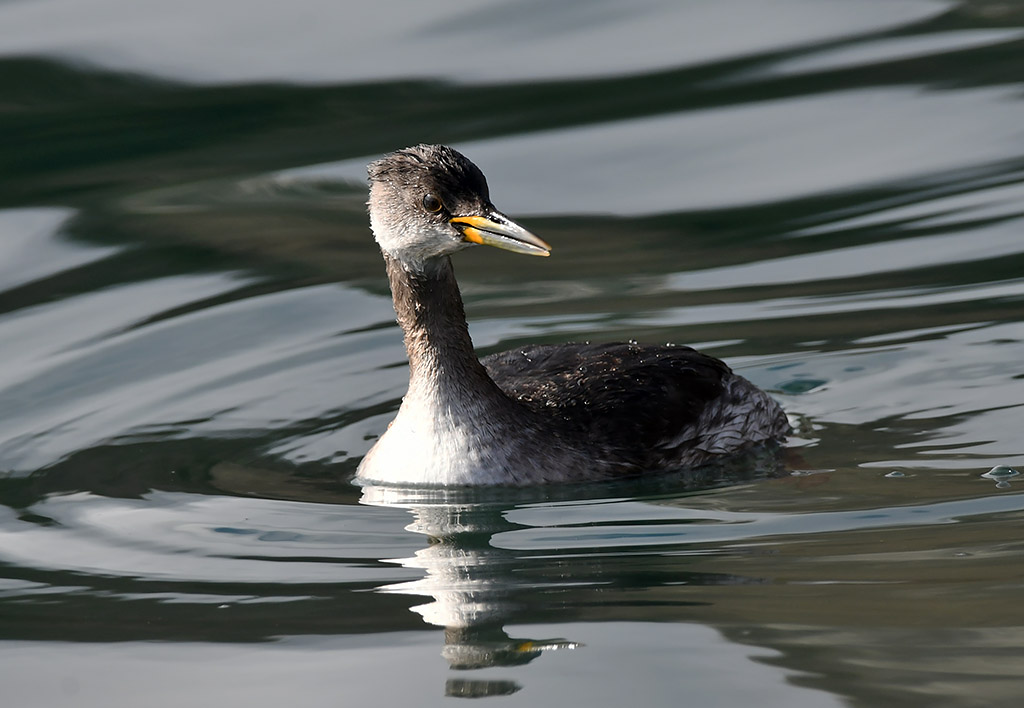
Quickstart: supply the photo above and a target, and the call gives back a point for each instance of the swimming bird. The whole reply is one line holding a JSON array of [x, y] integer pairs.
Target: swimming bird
[[540, 413]]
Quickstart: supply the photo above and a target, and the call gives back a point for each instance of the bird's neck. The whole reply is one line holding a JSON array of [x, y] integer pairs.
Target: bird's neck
[[430, 311]]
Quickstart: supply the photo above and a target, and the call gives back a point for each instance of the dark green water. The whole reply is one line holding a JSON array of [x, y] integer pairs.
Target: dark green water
[[197, 346]]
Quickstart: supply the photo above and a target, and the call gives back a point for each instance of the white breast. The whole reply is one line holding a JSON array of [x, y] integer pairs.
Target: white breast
[[436, 443]]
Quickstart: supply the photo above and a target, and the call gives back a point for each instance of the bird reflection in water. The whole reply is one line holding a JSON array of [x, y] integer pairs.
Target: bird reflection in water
[[473, 582]]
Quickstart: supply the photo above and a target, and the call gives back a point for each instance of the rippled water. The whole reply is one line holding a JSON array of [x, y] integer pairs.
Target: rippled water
[[198, 346]]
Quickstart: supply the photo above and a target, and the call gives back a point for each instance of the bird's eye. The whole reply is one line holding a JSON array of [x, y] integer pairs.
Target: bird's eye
[[431, 203]]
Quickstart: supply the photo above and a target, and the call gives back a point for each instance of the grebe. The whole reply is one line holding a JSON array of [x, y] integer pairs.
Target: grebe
[[536, 414]]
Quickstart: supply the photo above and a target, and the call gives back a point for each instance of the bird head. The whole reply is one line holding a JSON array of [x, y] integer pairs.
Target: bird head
[[430, 200]]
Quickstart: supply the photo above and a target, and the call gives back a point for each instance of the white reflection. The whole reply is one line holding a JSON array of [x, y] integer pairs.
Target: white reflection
[[472, 583]]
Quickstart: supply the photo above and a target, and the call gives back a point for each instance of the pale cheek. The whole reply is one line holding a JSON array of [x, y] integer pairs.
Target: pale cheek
[[414, 243]]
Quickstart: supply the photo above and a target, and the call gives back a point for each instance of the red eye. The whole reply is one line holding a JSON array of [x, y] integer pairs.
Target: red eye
[[431, 203]]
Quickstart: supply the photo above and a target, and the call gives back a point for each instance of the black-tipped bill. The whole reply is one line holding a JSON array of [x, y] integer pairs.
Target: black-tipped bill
[[498, 230]]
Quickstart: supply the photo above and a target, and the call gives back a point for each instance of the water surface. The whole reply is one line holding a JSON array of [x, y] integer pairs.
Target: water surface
[[199, 346]]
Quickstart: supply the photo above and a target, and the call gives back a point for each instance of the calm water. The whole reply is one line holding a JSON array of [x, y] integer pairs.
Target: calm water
[[198, 346]]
